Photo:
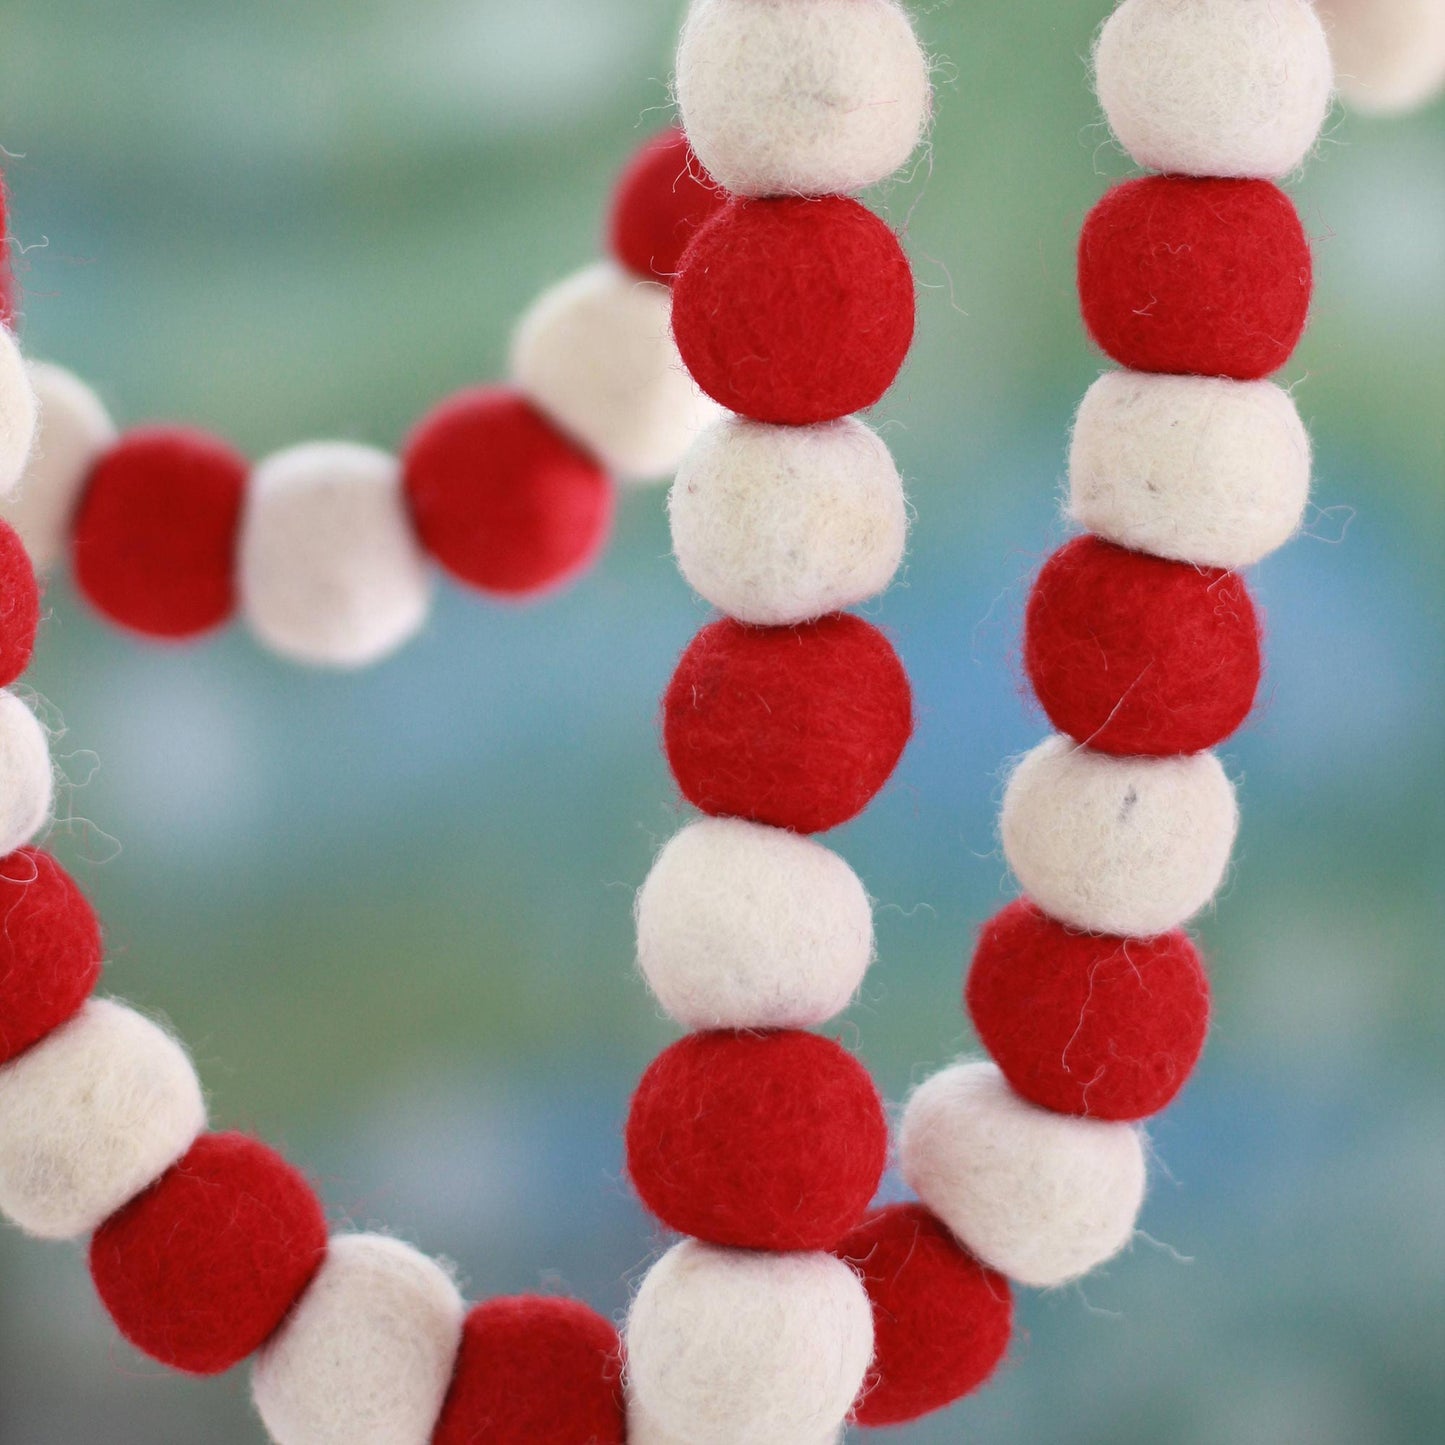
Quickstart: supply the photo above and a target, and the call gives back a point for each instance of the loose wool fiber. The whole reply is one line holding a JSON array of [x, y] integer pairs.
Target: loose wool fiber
[[776, 524], [745, 926], [596, 354], [330, 571], [27, 783], [366, 1356], [662, 197], [1133, 846], [19, 606], [1197, 468], [1389, 54], [91, 1116], [19, 411], [1215, 87], [74, 428], [1041, 1197], [806, 97], [730, 1347]]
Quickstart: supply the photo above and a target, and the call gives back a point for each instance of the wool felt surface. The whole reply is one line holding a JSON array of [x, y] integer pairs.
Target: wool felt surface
[[757, 1140], [534, 1370], [662, 197], [1389, 54], [1129, 653], [200, 1270], [27, 777], [19, 412], [794, 311], [798, 727], [1088, 1023], [19, 606], [1201, 276], [50, 949], [155, 535], [499, 497]]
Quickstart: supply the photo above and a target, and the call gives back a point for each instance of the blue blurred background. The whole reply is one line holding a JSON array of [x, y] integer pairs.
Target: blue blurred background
[[390, 912]]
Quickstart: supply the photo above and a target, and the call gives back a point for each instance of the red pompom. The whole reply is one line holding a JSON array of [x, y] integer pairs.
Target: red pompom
[[794, 310], [770, 1140], [19, 606], [501, 498], [941, 1320], [1135, 654], [50, 949], [1086, 1023], [199, 1270], [662, 197], [1209, 277], [798, 727], [535, 1371], [155, 534]]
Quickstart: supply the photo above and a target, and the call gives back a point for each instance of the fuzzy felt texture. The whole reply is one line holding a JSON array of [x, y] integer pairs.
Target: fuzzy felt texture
[[1389, 54], [1215, 87], [19, 606], [200, 1270], [1206, 277], [154, 538], [798, 727], [794, 311], [501, 498], [535, 1371], [19, 412], [941, 1320], [757, 1140], [27, 779], [50, 949], [1088, 1023], [661, 198], [1135, 654]]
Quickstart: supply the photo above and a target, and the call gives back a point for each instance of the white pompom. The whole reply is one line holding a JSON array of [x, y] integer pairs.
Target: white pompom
[[27, 782], [1042, 1197], [778, 524], [1215, 87], [90, 1116], [73, 430], [730, 1346], [744, 926], [810, 97], [366, 1356], [1132, 846], [19, 412], [596, 354], [1389, 54], [330, 570], [1198, 468]]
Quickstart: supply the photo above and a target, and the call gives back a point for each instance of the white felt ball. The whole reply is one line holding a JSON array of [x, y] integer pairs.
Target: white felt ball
[[777, 524], [731, 1346], [1042, 1197], [1215, 87], [366, 1356], [745, 926], [1198, 468], [1389, 54], [806, 97], [596, 354], [27, 782], [91, 1116], [73, 430], [1132, 846], [330, 570], [19, 412]]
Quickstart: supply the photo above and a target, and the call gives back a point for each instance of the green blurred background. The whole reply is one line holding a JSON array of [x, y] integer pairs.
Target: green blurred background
[[390, 912]]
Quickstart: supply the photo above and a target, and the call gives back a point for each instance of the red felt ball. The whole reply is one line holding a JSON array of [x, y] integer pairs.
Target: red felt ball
[[50, 949], [941, 1320], [1135, 654], [1200, 276], [771, 1140], [199, 1270], [535, 1371], [662, 197], [1086, 1023], [794, 310], [501, 498], [798, 727], [154, 538], [19, 606]]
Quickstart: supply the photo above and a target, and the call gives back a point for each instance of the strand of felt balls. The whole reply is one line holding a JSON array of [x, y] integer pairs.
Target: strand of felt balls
[[324, 546]]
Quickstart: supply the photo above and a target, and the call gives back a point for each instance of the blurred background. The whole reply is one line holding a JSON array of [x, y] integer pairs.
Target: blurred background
[[390, 912]]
